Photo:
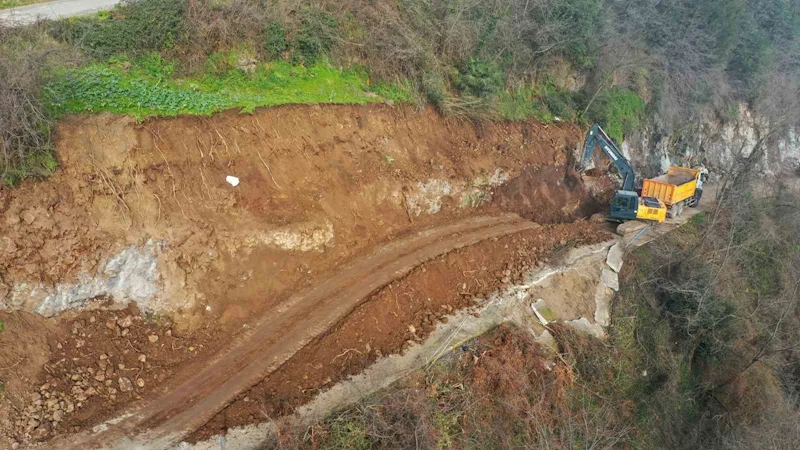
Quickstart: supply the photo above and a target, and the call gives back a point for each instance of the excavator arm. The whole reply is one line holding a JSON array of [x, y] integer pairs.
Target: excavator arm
[[597, 136]]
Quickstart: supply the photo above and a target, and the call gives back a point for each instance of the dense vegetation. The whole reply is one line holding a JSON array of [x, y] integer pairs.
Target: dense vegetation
[[667, 62]]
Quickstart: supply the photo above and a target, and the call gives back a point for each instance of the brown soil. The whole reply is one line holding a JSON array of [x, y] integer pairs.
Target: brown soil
[[339, 180], [399, 315], [302, 168], [95, 363], [547, 194], [274, 338]]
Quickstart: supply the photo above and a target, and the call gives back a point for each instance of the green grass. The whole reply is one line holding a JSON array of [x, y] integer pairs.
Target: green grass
[[148, 87], [522, 104], [619, 110]]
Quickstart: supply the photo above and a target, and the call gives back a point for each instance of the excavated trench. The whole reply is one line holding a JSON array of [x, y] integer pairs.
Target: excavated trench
[[138, 251]]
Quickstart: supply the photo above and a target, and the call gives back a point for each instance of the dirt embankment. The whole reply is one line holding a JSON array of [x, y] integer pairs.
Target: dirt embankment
[[318, 186], [142, 213]]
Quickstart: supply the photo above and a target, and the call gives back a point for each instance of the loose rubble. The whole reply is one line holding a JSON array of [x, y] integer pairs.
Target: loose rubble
[[102, 365]]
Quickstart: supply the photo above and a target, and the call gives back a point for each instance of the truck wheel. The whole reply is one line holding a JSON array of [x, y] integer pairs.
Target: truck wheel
[[680, 208], [696, 199]]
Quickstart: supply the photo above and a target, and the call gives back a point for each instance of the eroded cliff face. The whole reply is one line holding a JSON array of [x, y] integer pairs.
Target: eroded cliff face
[[716, 145]]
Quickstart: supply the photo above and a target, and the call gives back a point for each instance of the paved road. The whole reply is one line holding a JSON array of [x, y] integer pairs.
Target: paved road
[[25, 15]]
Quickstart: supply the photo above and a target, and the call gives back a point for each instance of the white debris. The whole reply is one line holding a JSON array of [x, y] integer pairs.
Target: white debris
[[233, 181]]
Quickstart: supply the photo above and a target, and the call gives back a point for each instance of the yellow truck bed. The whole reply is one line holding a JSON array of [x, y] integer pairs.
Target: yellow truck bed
[[679, 183]]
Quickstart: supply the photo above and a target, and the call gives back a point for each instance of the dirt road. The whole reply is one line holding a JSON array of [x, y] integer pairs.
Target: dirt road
[[275, 338]]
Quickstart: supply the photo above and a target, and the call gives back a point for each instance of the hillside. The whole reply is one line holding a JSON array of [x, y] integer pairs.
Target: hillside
[[360, 224]]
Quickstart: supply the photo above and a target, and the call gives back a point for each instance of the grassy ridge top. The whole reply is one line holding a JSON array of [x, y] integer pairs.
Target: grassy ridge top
[[150, 88]]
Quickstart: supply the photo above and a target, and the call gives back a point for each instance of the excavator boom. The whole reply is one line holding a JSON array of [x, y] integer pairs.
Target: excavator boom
[[597, 136]]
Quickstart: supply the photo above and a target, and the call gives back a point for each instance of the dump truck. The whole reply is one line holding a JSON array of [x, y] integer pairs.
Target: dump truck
[[659, 198], [678, 188]]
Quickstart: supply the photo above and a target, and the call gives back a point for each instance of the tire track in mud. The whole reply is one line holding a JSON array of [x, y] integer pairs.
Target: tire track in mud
[[273, 339]]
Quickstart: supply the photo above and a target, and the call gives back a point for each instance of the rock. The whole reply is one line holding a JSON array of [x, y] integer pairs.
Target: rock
[[15, 446], [152, 338], [125, 384], [614, 259], [121, 366], [140, 382], [103, 356], [100, 376], [40, 433], [583, 326], [58, 416], [142, 358], [126, 322], [32, 424], [28, 217], [547, 339], [111, 324], [597, 218], [630, 227], [411, 329], [602, 301], [610, 279]]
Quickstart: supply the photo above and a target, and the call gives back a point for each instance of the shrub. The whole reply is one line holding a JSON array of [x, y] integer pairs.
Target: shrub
[[479, 78], [559, 101], [275, 41], [314, 37], [26, 56], [434, 88], [619, 110], [134, 26]]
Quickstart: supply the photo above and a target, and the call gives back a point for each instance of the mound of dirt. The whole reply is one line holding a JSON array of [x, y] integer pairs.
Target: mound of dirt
[[547, 194]]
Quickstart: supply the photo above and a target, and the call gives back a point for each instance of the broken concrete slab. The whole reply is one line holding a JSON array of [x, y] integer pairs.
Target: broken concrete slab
[[583, 326], [545, 314], [547, 339], [610, 279], [614, 259], [602, 299]]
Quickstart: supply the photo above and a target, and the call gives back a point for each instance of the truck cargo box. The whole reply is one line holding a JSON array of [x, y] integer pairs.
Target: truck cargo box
[[679, 183]]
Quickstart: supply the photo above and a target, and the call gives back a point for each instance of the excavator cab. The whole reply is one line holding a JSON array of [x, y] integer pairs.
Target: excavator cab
[[627, 205]]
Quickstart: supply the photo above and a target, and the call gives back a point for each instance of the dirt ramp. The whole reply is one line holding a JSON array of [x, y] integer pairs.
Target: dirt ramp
[[547, 194]]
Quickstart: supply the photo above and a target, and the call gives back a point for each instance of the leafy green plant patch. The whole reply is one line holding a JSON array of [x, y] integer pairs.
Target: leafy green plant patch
[[148, 88]]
